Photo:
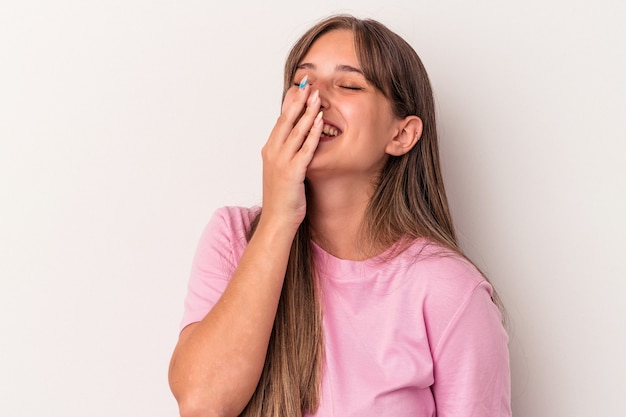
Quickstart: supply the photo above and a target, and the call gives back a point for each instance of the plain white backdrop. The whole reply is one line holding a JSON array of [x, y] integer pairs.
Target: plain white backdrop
[[124, 124]]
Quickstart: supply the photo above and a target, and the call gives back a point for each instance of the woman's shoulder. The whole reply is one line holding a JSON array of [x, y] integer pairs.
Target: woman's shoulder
[[228, 226], [237, 214], [447, 277], [438, 263], [235, 218], [450, 283]]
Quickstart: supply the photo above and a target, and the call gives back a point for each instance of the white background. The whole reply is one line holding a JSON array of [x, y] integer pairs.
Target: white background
[[124, 124]]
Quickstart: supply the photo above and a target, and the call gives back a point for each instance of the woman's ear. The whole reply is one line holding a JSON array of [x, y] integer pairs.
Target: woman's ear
[[409, 132]]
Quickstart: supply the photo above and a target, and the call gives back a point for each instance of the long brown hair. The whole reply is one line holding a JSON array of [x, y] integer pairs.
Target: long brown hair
[[409, 202]]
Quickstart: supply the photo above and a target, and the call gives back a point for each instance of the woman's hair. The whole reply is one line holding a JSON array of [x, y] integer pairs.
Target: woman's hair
[[409, 202]]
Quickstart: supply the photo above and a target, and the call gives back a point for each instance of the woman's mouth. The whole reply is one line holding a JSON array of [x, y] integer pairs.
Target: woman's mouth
[[329, 132]]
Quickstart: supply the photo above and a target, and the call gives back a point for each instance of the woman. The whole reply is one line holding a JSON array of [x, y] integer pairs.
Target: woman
[[348, 295]]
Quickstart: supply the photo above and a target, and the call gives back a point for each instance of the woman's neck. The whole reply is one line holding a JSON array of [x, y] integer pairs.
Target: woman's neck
[[336, 210]]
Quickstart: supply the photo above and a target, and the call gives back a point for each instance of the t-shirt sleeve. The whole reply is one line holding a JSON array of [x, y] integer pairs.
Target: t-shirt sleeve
[[214, 264], [471, 360]]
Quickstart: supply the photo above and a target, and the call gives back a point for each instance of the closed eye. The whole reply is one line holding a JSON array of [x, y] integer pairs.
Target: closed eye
[[349, 87]]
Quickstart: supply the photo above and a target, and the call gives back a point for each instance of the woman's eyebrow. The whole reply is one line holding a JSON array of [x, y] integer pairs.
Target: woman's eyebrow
[[340, 68], [348, 68]]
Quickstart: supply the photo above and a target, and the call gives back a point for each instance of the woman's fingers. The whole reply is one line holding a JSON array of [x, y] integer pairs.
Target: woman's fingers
[[293, 107], [287, 154], [296, 151], [307, 150], [301, 129], [300, 108]]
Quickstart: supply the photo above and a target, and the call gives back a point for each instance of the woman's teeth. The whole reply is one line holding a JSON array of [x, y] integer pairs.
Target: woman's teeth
[[330, 131]]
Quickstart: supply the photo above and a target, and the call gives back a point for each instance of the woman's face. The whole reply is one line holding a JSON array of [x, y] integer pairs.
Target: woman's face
[[358, 120]]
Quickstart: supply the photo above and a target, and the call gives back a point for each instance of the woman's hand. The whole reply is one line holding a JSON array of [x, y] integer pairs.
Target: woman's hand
[[286, 156]]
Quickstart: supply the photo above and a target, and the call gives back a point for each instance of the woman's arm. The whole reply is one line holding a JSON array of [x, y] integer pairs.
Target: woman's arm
[[217, 362]]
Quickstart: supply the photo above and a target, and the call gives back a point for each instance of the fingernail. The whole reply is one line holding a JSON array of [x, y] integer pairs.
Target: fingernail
[[304, 81], [313, 98], [318, 118]]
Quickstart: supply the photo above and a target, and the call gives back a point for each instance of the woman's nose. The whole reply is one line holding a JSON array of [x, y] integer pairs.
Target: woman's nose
[[325, 94], [324, 101]]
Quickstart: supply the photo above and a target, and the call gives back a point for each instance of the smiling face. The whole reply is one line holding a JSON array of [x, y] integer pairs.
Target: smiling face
[[358, 121]]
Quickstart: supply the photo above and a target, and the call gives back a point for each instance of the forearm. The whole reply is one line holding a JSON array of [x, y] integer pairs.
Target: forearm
[[217, 363]]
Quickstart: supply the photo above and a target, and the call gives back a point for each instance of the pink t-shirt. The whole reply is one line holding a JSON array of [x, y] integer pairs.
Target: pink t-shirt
[[414, 336]]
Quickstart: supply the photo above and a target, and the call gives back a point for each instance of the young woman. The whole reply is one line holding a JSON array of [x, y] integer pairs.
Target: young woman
[[346, 293]]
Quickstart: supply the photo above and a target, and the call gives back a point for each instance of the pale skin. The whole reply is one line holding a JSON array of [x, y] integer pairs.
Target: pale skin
[[217, 362]]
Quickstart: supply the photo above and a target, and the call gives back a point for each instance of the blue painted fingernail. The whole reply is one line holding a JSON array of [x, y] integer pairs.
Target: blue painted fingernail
[[304, 81]]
